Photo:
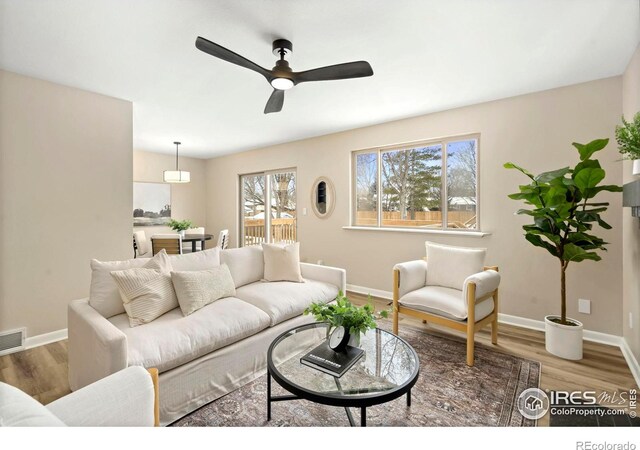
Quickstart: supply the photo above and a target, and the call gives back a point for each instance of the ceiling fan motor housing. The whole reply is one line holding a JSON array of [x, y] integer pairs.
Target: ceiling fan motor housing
[[282, 47]]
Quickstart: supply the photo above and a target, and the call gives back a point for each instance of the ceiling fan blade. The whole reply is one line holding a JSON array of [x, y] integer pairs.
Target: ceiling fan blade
[[275, 102], [219, 51], [355, 69]]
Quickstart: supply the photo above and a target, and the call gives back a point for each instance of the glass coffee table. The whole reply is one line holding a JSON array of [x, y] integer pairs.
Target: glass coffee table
[[388, 369]]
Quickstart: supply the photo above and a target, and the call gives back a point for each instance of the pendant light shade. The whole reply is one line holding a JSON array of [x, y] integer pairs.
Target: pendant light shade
[[177, 176]]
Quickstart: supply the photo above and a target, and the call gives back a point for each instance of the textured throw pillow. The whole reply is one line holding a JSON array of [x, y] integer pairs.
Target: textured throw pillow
[[104, 296], [146, 293], [203, 260], [449, 266], [196, 289], [282, 262]]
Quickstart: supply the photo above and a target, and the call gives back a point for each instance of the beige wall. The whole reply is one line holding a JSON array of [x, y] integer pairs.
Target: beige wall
[[188, 200], [631, 228], [65, 196], [534, 130]]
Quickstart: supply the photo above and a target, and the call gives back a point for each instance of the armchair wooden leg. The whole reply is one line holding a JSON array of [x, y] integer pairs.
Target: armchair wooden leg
[[471, 322], [494, 323], [396, 286]]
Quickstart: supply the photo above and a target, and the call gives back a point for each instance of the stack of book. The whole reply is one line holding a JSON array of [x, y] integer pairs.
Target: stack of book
[[334, 363]]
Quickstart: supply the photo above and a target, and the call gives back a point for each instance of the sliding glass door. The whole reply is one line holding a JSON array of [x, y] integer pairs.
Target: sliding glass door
[[276, 222]]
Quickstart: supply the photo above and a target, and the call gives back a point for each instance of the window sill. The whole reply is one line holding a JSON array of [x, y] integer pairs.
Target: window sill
[[420, 231]]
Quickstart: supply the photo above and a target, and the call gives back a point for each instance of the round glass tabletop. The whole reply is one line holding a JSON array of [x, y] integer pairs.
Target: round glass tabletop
[[387, 370]]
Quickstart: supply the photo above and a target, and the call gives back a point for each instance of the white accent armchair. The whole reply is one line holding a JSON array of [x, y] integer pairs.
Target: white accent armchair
[[450, 287], [126, 398]]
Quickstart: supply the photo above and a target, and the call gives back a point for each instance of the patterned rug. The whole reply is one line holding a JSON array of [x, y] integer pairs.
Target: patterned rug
[[447, 393]]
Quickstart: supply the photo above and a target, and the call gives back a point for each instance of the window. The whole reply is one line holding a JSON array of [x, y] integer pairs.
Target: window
[[430, 185], [277, 223]]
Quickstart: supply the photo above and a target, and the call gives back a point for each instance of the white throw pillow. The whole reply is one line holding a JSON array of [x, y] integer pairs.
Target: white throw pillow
[[146, 293], [197, 288], [449, 266], [282, 262], [104, 296], [246, 264], [203, 260]]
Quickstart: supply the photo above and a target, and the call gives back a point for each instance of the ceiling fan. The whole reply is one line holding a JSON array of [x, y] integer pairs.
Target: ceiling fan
[[281, 77]]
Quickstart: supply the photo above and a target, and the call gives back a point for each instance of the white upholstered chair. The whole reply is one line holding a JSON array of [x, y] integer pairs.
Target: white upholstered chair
[[172, 243], [223, 239], [126, 398], [450, 287], [141, 246]]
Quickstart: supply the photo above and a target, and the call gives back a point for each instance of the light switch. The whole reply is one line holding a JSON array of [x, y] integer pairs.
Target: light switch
[[304, 211], [584, 306]]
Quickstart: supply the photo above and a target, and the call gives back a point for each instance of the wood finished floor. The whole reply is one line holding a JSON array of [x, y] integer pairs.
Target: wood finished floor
[[42, 371]]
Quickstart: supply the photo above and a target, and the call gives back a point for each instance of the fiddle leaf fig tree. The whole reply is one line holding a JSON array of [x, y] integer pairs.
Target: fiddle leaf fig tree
[[560, 203]]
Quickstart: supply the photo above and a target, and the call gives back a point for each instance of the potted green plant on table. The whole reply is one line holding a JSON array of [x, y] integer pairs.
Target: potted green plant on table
[[355, 319], [180, 226], [560, 204], [628, 139]]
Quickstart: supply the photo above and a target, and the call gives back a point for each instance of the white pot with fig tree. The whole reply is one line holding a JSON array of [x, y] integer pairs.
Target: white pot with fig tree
[[560, 203]]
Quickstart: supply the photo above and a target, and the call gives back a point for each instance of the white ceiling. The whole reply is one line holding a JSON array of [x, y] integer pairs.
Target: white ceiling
[[427, 55]]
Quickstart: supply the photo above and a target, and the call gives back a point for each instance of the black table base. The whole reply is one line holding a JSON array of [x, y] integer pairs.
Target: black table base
[[352, 422]]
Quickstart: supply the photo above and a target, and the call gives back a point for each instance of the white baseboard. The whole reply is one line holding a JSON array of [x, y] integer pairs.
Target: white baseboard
[[44, 339], [631, 360], [532, 324]]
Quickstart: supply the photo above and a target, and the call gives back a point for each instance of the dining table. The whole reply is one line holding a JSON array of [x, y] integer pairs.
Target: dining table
[[193, 238]]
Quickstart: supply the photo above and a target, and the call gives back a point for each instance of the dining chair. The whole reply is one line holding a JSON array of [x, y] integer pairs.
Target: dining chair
[[223, 239], [141, 245], [172, 243], [186, 246]]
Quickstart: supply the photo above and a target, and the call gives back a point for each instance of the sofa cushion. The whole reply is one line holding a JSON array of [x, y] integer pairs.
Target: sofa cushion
[[445, 302], [449, 266], [104, 295], [282, 300], [172, 339], [203, 260], [246, 264]]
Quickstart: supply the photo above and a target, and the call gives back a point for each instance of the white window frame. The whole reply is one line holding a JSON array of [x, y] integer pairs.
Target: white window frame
[[267, 200], [408, 146]]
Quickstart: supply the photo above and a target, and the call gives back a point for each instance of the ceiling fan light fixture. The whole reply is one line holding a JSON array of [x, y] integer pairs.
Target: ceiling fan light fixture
[[176, 176], [282, 83]]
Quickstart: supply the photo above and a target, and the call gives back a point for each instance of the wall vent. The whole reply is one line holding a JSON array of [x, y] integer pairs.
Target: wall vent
[[12, 341]]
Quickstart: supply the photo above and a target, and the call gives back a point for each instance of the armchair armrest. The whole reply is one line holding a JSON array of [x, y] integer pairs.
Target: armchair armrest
[[327, 274], [96, 347], [485, 282], [412, 276], [126, 398]]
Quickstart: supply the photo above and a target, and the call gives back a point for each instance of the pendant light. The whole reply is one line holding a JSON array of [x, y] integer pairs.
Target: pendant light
[[176, 176]]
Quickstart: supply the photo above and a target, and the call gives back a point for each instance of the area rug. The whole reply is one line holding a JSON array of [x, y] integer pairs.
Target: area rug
[[447, 393]]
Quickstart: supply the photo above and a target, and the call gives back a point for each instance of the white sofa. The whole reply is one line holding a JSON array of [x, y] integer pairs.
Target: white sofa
[[209, 353], [126, 398]]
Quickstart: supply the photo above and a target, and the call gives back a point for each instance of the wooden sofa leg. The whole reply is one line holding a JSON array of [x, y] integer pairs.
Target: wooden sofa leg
[[494, 331], [396, 297], [471, 322]]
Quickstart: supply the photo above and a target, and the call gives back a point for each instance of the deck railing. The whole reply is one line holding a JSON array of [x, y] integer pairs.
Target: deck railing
[[282, 230]]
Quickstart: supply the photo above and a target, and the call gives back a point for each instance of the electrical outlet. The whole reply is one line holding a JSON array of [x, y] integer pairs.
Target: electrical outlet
[[584, 306], [630, 320]]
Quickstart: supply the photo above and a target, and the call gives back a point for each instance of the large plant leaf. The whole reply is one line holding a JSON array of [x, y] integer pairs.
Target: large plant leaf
[[607, 187], [588, 178], [511, 165], [546, 177], [572, 252], [538, 242], [586, 150], [588, 163]]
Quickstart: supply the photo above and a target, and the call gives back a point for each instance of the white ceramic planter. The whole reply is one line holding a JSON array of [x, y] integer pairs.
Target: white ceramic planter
[[182, 233], [636, 166], [564, 341]]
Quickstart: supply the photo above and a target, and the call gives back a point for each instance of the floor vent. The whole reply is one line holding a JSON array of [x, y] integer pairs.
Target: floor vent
[[12, 341]]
